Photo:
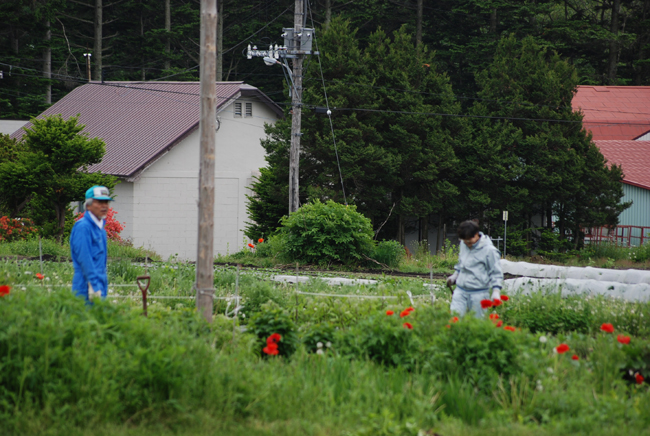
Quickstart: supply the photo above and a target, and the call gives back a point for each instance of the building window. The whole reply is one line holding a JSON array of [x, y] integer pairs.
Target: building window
[[249, 109], [237, 110]]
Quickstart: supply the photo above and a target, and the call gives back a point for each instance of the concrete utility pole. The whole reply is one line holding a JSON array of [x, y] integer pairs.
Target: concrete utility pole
[[296, 104], [205, 246], [297, 43]]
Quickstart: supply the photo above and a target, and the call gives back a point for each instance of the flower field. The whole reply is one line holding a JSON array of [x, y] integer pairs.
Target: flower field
[[363, 360]]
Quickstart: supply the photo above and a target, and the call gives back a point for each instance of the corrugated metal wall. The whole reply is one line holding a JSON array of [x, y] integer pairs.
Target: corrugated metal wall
[[639, 213]]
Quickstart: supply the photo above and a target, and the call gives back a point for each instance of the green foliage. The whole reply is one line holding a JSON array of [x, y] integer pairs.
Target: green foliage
[[318, 337], [477, 351], [380, 338], [329, 232], [51, 173], [273, 319], [112, 362], [389, 253]]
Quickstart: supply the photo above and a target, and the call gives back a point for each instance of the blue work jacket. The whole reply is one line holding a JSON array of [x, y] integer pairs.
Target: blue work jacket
[[89, 253]]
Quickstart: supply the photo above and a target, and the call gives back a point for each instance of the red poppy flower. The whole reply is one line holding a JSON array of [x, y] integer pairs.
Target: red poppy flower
[[274, 339], [260, 240], [623, 339], [404, 313], [562, 348], [639, 378], [454, 319], [408, 325], [389, 312], [40, 276], [409, 309], [575, 357], [509, 328], [486, 304], [448, 326], [251, 245], [4, 290], [607, 327], [505, 298], [494, 316], [499, 324], [271, 349], [496, 302]]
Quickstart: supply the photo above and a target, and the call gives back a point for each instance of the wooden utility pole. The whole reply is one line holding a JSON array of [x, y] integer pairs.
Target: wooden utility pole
[[87, 56], [99, 37], [207, 127], [47, 62], [296, 103]]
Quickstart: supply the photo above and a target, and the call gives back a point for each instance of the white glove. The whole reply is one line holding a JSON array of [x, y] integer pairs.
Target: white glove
[[496, 294], [451, 280], [92, 294]]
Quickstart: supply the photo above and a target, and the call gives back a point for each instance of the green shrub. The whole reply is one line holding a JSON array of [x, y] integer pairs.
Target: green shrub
[[477, 351], [79, 364], [312, 335], [641, 253], [273, 319], [548, 313], [382, 339], [323, 233], [389, 253]]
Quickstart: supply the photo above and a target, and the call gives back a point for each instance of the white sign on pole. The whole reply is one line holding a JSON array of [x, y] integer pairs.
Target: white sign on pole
[[505, 215]]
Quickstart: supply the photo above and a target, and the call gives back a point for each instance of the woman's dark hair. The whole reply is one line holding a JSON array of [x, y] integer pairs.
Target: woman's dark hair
[[467, 229]]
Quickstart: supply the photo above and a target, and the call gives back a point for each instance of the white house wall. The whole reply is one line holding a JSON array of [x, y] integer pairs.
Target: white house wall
[[123, 205], [165, 197]]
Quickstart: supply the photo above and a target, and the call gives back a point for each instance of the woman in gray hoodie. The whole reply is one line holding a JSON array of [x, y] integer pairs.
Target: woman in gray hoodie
[[477, 272]]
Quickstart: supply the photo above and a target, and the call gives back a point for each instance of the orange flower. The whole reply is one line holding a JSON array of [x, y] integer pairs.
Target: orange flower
[[274, 338], [639, 378], [406, 312], [271, 349], [510, 328], [486, 304], [562, 348], [454, 319], [251, 245], [575, 357], [40, 276], [260, 240], [499, 324], [607, 327], [448, 326], [389, 312], [494, 316], [4, 290], [623, 339], [408, 325]]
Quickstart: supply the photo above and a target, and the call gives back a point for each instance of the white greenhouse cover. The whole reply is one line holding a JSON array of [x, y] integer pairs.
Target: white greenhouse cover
[[631, 284]]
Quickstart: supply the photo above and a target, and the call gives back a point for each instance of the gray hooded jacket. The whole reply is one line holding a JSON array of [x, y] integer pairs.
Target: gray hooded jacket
[[478, 267]]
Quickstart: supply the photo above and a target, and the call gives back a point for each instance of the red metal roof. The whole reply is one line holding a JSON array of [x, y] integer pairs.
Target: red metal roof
[[139, 121], [632, 156], [614, 112]]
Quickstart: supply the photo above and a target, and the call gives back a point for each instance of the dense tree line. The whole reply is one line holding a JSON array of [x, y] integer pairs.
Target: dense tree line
[[42, 42], [413, 154], [388, 66]]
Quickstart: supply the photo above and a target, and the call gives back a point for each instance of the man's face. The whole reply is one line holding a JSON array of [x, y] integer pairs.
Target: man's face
[[471, 241], [99, 208]]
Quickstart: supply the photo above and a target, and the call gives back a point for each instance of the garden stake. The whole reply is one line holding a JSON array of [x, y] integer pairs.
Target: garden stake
[[40, 252], [431, 275], [297, 290], [234, 318], [143, 283]]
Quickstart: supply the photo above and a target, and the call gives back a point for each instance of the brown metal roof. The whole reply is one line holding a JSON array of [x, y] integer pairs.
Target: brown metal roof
[[139, 121]]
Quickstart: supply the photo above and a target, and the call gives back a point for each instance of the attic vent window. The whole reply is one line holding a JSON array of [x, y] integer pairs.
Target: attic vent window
[[237, 110], [249, 110]]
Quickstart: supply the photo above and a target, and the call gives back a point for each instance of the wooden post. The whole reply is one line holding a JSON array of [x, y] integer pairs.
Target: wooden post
[[207, 127], [296, 102]]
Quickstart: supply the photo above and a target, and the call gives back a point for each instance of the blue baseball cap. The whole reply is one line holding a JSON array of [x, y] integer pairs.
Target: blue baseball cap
[[98, 193]]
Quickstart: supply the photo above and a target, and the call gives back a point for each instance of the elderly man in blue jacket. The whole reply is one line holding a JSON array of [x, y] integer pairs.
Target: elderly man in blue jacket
[[88, 247]]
